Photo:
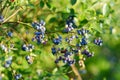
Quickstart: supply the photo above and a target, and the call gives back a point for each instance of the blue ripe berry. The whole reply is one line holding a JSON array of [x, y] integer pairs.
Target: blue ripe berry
[[30, 46], [82, 31], [64, 60], [56, 61], [90, 55], [9, 62], [87, 53], [10, 34], [27, 57], [98, 42], [56, 41], [38, 33], [70, 62], [83, 41], [24, 47], [75, 51], [79, 32], [60, 58], [54, 51], [18, 76], [1, 18]]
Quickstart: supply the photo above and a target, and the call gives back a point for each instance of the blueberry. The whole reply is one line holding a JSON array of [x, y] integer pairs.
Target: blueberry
[[71, 62], [83, 42], [8, 62], [30, 46], [18, 76], [24, 47], [56, 41], [9, 34], [64, 61], [75, 51], [79, 32], [38, 33], [27, 57], [54, 51], [56, 61], [1, 18], [60, 58], [98, 42]]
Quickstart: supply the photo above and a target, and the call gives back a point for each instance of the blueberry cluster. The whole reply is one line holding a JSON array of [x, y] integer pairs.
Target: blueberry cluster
[[1, 18], [66, 60], [39, 26], [82, 31], [87, 53], [28, 47], [70, 24], [29, 59], [57, 41], [98, 42], [8, 62], [18, 76], [65, 56], [39, 37], [40, 33]]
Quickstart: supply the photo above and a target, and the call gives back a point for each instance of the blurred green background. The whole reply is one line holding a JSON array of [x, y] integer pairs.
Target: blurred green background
[[91, 14]]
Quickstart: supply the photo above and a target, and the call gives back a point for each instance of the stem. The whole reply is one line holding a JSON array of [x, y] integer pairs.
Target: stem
[[76, 72], [11, 15]]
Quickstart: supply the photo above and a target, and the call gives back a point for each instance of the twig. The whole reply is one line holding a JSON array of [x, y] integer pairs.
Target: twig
[[11, 15], [76, 72]]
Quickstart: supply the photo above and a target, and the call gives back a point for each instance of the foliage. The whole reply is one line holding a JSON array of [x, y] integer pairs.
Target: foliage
[[37, 35]]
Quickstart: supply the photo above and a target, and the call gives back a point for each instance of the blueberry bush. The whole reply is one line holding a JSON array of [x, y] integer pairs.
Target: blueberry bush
[[59, 40]]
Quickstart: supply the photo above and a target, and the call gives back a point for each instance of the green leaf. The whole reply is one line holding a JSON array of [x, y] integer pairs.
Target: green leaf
[[48, 5], [41, 4], [72, 11], [73, 2]]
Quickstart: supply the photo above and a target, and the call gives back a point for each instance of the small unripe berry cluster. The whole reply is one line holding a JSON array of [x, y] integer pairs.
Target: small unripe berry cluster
[[40, 33], [18, 76], [29, 59], [8, 62], [28, 47], [1, 18]]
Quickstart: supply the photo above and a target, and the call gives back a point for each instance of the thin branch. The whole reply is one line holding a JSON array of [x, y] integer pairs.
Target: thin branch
[[12, 15], [74, 69]]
